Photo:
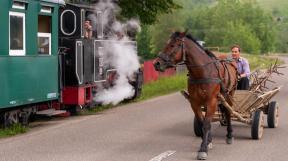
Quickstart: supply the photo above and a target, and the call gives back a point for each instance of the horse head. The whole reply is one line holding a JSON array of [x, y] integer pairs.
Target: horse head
[[172, 53]]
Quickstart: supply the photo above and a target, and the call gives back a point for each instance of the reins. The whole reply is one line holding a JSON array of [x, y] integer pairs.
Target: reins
[[184, 61], [216, 62]]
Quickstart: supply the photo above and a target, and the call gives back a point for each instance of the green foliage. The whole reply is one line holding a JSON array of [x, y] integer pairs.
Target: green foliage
[[282, 38], [146, 10], [162, 30], [234, 21], [175, 21], [278, 8], [243, 35], [144, 43], [274, 5]]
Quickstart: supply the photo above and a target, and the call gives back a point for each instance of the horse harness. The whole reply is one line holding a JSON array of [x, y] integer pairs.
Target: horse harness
[[167, 59]]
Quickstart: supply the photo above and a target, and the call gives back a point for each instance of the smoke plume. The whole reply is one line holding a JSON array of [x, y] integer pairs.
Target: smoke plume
[[120, 53]]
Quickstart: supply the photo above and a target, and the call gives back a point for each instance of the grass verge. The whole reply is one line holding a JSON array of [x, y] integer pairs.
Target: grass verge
[[260, 62], [164, 85], [13, 130]]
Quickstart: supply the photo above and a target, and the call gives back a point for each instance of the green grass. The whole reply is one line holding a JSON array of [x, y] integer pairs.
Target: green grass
[[13, 130], [260, 62], [164, 86]]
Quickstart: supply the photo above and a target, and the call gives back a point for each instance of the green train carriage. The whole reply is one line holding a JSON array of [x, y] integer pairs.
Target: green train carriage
[[28, 54]]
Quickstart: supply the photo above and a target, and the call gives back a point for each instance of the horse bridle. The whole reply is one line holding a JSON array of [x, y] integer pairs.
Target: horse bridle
[[166, 57]]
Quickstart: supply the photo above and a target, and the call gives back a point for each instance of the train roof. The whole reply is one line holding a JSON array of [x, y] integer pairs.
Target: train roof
[[84, 5], [62, 2]]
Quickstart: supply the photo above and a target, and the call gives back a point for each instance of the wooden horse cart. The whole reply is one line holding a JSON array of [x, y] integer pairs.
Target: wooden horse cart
[[249, 106]]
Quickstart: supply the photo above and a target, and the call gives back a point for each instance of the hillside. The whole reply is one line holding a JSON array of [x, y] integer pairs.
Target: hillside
[[274, 5]]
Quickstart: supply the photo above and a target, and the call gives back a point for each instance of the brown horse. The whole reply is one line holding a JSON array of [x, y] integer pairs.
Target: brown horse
[[208, 78]]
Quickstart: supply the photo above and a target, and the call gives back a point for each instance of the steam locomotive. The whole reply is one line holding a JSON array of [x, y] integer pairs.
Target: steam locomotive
[[47, 64]]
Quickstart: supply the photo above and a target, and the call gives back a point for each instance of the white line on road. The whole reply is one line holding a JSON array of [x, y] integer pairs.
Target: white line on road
[[163, 155]]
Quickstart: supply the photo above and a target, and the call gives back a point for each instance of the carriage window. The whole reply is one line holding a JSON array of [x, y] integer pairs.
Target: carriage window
[[17, 33], [46, 9], [44, 35], [18, 5], [82, 22], [99, 24]]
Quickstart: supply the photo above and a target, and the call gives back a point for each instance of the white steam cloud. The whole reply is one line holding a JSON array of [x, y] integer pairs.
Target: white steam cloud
[[121, 54]]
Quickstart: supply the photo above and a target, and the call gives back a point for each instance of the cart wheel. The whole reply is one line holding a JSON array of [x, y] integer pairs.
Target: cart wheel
[[197, 127], [273, 114], [257, 125]]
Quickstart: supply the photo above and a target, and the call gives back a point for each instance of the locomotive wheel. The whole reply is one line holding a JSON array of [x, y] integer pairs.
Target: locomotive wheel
[[197, 127], [273, 114], [257, 125]]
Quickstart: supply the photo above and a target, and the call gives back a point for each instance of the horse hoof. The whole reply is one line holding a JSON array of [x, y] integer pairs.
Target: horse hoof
[[210, 145], [202, 156], [229, 140]]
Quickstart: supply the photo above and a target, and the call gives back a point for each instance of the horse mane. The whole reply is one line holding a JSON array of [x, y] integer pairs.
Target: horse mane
[[208, 52], [190, 37]]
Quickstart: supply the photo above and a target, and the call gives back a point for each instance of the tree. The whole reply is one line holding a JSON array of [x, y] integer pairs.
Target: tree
[[219, 23], [146, 10], [144, 44], [172, 22], [243, 35]]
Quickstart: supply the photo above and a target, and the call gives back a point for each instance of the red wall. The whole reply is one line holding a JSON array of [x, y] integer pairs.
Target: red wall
[[150, 74]]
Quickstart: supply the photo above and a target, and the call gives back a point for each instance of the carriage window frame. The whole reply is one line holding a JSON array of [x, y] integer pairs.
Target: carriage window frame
[[19, 5], [42, 33], [45, 35], [46, 9], [99, 24], [23, 51], [82, 19]]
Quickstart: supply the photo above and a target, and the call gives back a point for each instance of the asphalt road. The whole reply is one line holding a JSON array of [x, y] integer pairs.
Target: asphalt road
[[154, 130]]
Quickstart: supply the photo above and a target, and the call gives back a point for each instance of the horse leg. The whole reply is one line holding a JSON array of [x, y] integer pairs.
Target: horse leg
[[207, 137], [229, 136]]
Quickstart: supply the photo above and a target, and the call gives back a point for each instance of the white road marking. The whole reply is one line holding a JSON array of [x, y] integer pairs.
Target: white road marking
[[163, 155]]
